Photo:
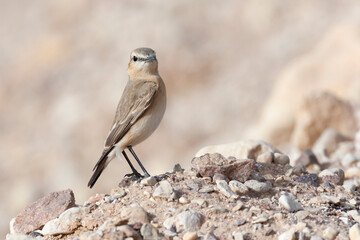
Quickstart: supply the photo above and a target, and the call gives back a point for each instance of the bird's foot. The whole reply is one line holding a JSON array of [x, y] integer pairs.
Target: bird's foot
[[161, 177], [129, 178], [135, 176]]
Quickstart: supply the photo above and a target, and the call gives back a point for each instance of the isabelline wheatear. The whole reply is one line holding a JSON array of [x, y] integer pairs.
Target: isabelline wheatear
[[140, 110]]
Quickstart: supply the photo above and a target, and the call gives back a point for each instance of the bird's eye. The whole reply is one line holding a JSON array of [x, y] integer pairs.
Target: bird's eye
[[135, 58]]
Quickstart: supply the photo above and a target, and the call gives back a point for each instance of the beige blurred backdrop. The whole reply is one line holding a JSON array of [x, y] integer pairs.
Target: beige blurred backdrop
[[63, 65]]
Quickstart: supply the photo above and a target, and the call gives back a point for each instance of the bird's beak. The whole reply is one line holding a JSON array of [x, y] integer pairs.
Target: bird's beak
[[150, 58]]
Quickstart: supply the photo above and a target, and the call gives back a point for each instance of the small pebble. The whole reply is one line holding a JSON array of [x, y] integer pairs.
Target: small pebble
[[183, 200], [219, 176], [200, 201], [288, 235], [333, 175], [149, 181], [238, 207], [216, 210], [289, 204], [240, 235], [257, 186], [266, 157], [240, 222], [190, 220], [207, 189], [281, 159], [260, 219], [330, 233], [269, 232], [211, 236], [301, 215], [238, 187], [225, 189], [190, 236]]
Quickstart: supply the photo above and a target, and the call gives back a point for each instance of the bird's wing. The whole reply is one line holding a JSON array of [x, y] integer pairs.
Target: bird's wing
[[137, 97]]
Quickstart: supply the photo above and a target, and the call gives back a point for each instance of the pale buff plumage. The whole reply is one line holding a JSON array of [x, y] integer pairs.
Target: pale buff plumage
[[140, 110]]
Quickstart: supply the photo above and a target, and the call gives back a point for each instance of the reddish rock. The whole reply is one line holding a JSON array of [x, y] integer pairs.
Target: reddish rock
[[210, 164], [43, 210]]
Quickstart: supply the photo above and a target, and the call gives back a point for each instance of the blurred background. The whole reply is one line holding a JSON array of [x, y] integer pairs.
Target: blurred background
[[233, 69]]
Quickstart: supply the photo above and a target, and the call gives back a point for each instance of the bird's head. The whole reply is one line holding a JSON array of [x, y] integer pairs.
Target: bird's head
[[143, 61]]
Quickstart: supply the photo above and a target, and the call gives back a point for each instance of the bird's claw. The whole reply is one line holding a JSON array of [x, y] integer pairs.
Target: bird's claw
[[134, 175]]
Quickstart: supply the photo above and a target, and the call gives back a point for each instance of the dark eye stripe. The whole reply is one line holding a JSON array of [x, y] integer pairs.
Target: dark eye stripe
[[135, 58]]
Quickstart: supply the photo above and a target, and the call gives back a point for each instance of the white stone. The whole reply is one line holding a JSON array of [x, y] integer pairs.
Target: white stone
[[169, 222], [190, 236], [183, 200], [225, 189], [257, 186], [164, 190], [190, 220], [135, 213], [12, 222], [149, 181], [289, 204], [238, 187], [288, 235], [330, 233], [266, 157], [66, 223], [354, 232]]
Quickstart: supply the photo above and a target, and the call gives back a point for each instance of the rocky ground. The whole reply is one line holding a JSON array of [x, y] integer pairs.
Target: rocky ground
[[255, 195]]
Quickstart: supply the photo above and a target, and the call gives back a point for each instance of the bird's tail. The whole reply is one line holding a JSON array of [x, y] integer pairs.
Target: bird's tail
[[99, 167]]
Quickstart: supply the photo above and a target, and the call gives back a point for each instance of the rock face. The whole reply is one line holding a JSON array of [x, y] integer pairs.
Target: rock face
[[319, 111], [322, 67], [43, 210]]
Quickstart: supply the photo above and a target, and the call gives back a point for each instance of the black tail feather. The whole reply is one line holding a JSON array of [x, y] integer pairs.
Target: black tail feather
[[99, 169]]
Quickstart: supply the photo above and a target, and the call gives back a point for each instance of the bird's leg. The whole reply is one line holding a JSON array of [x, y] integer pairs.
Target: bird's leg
[[137, 159], [135, 172]]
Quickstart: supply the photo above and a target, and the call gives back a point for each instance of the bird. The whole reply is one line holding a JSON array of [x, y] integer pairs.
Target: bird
[[139, 112]]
